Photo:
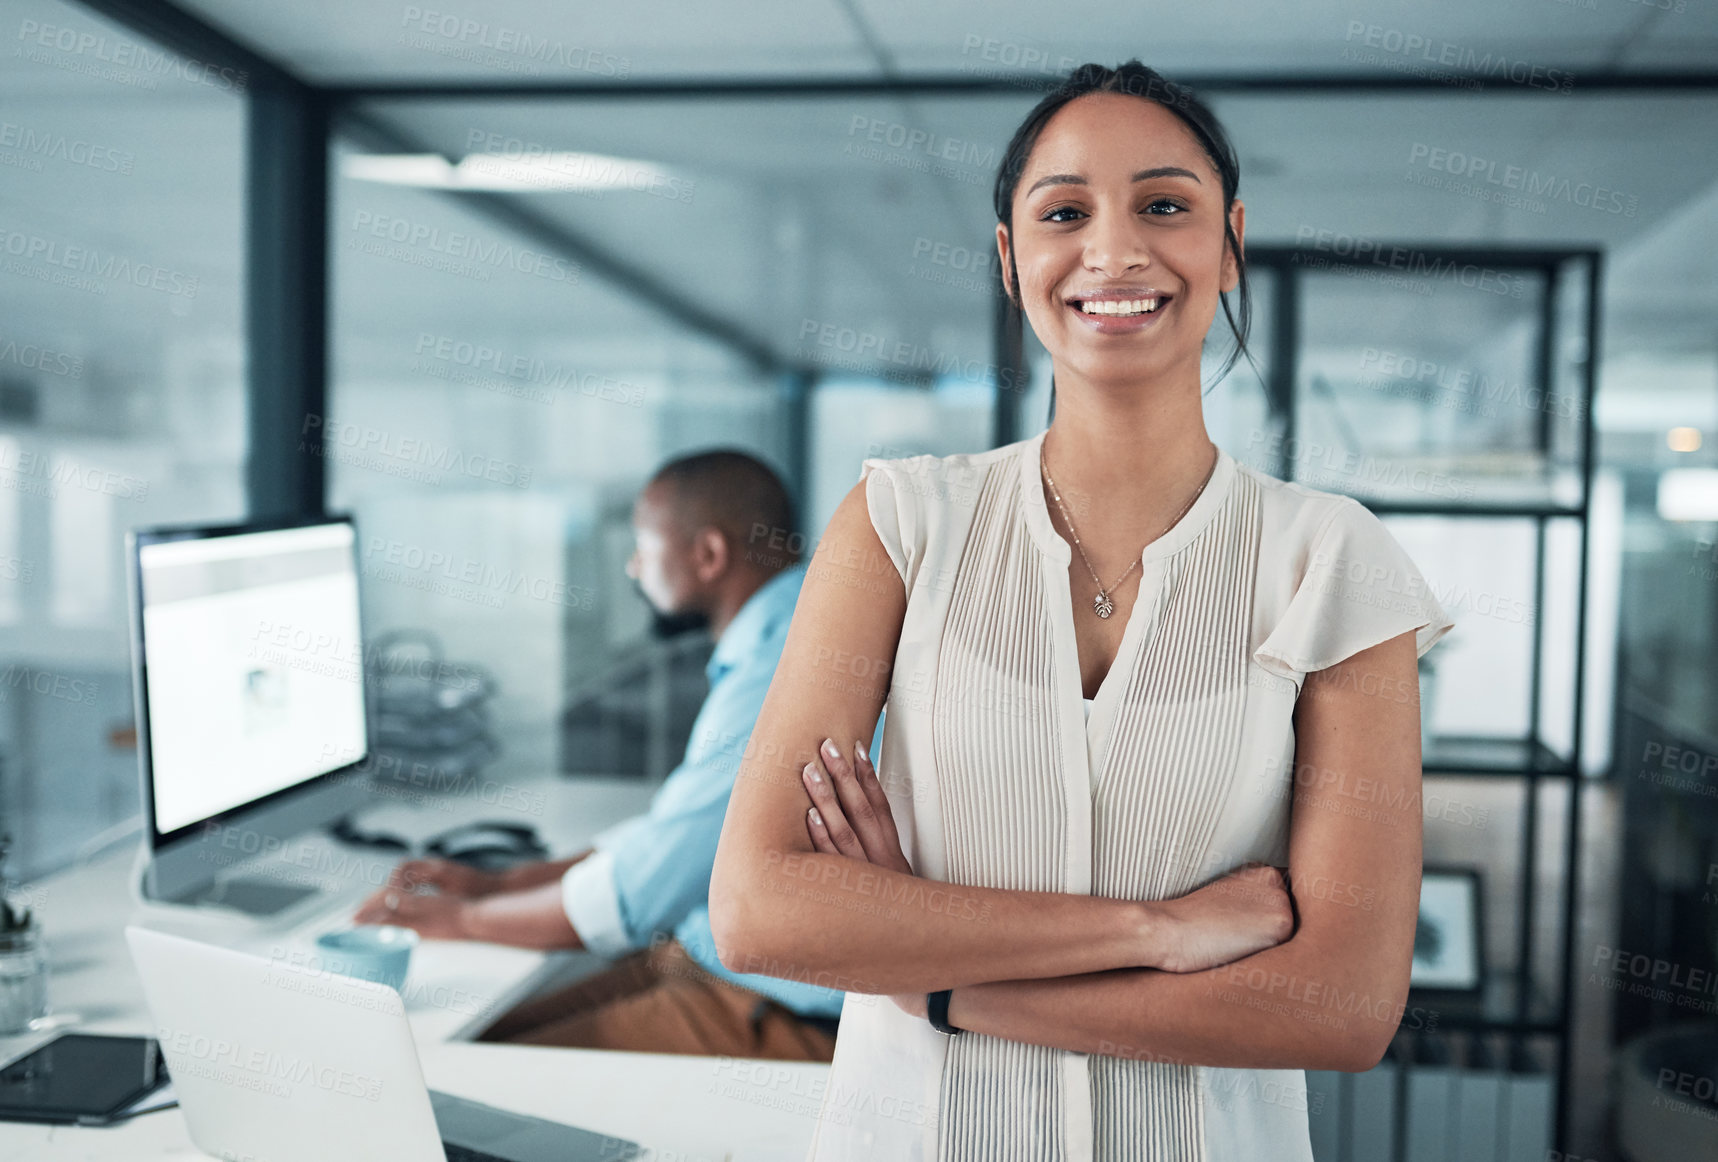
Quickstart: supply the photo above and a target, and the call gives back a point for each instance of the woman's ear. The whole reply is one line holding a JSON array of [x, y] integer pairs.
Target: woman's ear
[[1003, 249], [1232, 268]]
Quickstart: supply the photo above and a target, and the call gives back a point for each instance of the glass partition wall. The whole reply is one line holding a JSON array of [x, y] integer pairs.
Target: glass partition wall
[[536, 303], [122, 389]]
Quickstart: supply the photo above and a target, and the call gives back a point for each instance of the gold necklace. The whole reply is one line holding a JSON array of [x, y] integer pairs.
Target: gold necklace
[[1101, 604]]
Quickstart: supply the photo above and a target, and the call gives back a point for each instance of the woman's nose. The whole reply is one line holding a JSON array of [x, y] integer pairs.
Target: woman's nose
[[1114, 246]]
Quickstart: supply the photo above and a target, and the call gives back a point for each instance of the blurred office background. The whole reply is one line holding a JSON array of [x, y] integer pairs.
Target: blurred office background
[[472, 274]]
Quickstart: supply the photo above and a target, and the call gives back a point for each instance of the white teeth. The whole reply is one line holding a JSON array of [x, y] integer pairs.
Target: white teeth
[[1119, 307]]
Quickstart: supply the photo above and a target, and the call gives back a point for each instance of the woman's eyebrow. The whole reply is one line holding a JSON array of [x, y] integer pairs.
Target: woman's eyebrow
[[1074, 179]]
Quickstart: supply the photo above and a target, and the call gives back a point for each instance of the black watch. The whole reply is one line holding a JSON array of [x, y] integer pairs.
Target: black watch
[[936, 1009]]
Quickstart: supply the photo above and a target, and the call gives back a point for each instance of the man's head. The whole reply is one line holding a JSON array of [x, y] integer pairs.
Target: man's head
[[708, 530]]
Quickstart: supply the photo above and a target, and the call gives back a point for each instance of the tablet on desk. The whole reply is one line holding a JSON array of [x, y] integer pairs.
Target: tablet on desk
[[80, 1077]]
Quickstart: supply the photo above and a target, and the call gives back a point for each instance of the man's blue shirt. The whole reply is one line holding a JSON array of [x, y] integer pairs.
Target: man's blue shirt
[[651, 873]]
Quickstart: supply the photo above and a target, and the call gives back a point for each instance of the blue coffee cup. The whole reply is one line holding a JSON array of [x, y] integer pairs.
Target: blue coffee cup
[[376, 952]]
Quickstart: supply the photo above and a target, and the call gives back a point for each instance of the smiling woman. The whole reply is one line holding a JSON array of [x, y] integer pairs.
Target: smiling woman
[[1103, 934]]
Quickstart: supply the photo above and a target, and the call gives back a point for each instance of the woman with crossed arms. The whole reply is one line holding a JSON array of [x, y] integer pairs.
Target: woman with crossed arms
[[1143, 841]]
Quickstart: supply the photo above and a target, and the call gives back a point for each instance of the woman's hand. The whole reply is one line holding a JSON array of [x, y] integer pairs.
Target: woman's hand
[[850, 816], [1246, 911], [849, 813]]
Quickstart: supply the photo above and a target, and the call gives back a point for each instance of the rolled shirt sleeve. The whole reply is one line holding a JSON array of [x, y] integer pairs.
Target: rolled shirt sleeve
[[593, 906]]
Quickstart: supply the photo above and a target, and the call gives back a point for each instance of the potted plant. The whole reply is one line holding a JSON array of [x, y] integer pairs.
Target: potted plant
[[23, 968]]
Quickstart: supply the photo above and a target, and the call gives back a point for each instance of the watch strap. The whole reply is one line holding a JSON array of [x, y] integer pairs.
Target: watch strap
[[936, 1009]]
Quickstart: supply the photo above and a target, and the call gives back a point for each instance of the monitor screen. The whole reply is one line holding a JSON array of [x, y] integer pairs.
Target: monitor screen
[[252, 664]]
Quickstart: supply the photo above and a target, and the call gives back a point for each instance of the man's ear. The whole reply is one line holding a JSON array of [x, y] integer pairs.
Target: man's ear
[[710, 554], [1003, 249], [1232, 269]]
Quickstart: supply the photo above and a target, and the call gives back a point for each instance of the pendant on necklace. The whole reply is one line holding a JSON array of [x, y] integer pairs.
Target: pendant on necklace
[[1102, 605]]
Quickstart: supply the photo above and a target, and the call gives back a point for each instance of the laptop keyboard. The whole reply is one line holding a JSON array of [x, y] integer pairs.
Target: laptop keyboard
[[467, 1154]]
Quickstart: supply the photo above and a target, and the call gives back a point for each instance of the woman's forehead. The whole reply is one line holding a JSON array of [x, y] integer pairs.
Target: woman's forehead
[[1105, 134]]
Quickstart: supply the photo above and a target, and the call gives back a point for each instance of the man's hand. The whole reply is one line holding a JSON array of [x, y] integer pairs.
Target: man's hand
[[850, 816], [433, 917], [448, 877], [429, 895]]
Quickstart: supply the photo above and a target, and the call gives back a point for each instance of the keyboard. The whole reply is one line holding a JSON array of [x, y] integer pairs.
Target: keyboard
[[467, 1154]]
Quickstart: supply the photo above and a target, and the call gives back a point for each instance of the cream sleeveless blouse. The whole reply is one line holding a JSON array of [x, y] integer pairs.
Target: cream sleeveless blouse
[[1183, 772]]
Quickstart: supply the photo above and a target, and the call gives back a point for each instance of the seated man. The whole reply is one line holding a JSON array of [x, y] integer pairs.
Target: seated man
[[694, 527]]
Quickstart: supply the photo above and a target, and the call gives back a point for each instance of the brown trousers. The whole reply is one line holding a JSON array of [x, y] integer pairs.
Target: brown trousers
[[658, 1000]]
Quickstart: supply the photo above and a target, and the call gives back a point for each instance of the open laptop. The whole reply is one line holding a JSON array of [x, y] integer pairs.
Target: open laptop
[[277, 1063]]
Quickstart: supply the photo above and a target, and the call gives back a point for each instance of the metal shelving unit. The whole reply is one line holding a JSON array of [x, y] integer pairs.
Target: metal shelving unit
[[1510, 1006]]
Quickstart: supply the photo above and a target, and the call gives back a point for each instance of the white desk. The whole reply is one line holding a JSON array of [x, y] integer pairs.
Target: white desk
[[681, 1108]]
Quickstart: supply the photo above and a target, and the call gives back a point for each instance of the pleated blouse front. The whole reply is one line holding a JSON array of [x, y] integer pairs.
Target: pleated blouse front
[[1178, 771]]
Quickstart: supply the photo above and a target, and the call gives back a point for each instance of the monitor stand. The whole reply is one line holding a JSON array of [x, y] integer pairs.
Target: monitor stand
[[253, 897]]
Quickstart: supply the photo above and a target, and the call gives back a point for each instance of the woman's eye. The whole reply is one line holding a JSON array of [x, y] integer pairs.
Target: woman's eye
[[1053, 215], [1164, 206]]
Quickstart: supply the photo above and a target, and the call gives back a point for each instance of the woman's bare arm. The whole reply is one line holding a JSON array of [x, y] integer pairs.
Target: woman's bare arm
[[780, 907], [1333, 995]]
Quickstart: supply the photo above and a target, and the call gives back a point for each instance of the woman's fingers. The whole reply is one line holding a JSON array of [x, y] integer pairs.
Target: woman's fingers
[[850, 814], [879, 800], [814, 827], [830, 815], [877, 837]]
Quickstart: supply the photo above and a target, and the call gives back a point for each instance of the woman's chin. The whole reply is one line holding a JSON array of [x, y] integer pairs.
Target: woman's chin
[[1124, 364]]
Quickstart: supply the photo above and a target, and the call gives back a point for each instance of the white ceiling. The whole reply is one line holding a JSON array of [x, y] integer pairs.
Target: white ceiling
[[356, 41], [789, 222]]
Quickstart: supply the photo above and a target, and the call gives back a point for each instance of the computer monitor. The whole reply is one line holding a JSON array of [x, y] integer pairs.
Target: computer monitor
[[248, 673]]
